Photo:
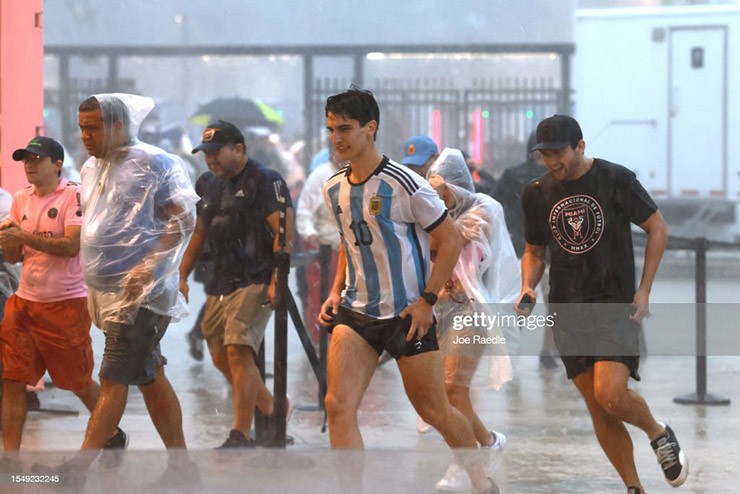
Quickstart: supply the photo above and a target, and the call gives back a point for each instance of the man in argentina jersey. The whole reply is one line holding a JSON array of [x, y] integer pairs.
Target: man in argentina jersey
[[384, 290], [385, 220]]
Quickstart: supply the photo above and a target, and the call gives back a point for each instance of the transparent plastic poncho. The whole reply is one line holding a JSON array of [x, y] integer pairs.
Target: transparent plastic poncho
[[138, 215], [487, 276]]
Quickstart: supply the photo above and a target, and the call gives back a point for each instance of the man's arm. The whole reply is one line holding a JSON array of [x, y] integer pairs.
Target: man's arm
[[274, 221], [449, 244], [66, 246], [192, 254], [179, 222], [533, 267], [657, 237]]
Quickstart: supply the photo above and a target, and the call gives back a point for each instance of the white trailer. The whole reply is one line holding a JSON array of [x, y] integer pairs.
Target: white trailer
[[658, 90]]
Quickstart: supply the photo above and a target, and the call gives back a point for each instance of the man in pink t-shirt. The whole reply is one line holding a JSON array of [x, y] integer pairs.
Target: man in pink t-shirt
[[46, 324]]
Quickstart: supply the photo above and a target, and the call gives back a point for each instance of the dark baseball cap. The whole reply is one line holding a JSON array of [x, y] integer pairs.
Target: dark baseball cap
[[557, 132], [41, 146], [217, 135]]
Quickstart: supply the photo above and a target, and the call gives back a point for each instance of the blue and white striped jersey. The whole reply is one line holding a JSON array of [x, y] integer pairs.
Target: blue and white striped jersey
[[384, 223]]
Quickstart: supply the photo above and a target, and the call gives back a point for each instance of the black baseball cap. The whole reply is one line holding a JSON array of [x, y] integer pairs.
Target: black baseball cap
[[557, 132], [41, 146], [217, 135]]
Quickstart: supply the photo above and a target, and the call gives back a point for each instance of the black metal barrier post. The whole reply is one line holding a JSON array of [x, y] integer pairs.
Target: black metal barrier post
[[277, 421], [261, 421], [271, 431], [324, 259], [701, 397]]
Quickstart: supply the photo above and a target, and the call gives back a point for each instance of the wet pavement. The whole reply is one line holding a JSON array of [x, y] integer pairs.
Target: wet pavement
[[551, 446]]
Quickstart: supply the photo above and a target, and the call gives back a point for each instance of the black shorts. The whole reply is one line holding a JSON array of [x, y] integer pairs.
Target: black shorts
[[591, 332], [387, 334], [132, 352]]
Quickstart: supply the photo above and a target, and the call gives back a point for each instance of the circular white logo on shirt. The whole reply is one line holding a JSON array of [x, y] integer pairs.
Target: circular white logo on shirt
[[577, 223]]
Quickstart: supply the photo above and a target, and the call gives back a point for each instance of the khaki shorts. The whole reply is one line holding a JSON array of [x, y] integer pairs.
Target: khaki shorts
[[238, 318]]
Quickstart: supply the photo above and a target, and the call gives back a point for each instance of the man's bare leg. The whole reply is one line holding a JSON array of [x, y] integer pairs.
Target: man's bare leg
[[610, 431], [246, 383], [107, 414], [351, 363], [164, 410], [423, 380], [13, 413], [265, 401], [611, 391]]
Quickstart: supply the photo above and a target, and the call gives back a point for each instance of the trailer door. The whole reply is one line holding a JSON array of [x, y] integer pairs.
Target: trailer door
[[697, 102]]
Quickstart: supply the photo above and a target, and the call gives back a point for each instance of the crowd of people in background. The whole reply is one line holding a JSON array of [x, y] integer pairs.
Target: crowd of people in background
[[415, 245]]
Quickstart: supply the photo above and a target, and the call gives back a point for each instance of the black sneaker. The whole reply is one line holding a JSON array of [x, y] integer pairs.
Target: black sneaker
[[236, 440], [634, 490], [195, 345], [112, 456], [671, 457], [118, 441]]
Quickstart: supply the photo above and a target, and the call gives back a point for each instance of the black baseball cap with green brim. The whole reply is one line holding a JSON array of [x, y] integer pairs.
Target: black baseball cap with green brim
[[41, 146], [557, 132]]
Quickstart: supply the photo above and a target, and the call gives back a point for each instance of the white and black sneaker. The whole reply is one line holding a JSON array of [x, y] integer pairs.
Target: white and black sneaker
[[634, 490], [672, 459]]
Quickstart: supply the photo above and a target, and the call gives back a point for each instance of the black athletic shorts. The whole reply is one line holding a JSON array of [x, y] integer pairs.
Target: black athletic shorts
[[387, 334], [591, 332]]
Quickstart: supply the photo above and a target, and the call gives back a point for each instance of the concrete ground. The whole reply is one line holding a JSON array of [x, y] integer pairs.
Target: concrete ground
[[551, 446]]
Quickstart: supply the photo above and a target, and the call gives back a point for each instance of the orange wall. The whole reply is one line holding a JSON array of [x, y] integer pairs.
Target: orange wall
[[21, 83]]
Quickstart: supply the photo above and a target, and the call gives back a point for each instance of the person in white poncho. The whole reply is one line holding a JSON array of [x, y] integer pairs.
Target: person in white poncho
[[138, 215], [487, 273]]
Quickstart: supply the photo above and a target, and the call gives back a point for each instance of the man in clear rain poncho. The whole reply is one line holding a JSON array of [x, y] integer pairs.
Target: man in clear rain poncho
[[486, 273], [139, 213]]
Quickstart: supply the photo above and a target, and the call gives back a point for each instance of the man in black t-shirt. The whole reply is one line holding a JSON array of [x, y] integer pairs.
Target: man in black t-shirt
[[238, 215], [582, 213]]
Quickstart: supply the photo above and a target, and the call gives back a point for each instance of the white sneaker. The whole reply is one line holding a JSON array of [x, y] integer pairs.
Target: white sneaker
[[491, 453], [499, 443], [455, 480], [421, 426]]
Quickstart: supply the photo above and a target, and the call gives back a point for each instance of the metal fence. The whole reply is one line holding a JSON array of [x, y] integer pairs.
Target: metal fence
[[491, 120]]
